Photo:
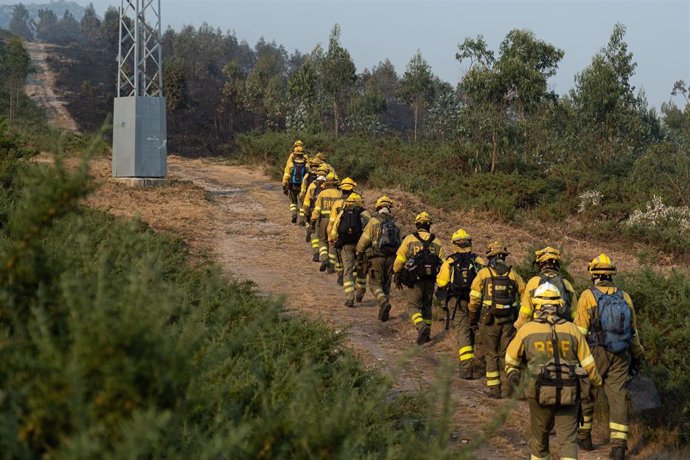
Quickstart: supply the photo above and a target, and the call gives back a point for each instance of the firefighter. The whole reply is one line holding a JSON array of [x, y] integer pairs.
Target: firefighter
[[378, 244], [554, 388], [313, 163], [606, 317], [308, 206], [295, 170], [319, 220], [416, 265], [494, 297], [347, 186], [548, 260], [454, 282], [347, 228]]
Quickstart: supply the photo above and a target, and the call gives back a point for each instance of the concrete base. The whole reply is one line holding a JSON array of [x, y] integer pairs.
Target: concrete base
[[141, 182]]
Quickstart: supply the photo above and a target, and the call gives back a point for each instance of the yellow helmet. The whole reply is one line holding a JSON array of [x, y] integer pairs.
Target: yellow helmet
[[460, 235], [602, 265], [384, 202], [423, 218], [298, 143], [323, 169], [299, 150], [332, 178], [496, 248], [547, 294], [314, 162], [348, 184], [354, 199], [548, 253], [322, 156]]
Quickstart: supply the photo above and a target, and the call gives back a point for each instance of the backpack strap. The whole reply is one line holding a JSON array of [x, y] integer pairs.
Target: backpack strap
[[557, 361], [425, 243]]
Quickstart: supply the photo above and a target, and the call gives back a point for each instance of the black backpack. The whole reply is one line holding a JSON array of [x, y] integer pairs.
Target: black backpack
[[298, 171], [390, 240], [350, 225], [503, 291], [423, 266], [464, 271]]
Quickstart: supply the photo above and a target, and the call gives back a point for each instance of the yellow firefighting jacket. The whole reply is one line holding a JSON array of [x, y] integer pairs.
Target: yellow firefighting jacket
[[288, 169], [527, 307], [533, 341], [587, 314], [335, 210], [333, 223], [303, 190], [306, 203], [480, 293], [411, 246], [324, 203], [372, 233], [446, 273]]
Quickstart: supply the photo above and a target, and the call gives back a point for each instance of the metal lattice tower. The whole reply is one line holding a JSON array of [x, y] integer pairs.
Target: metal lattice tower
[[139, 127], [140, 57]]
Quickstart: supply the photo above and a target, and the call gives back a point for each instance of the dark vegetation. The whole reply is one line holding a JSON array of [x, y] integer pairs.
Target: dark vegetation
[[597, 158]]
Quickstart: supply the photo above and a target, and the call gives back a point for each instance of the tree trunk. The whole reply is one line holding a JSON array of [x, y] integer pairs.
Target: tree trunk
[[335, 117], [494, 152], [416, 117]]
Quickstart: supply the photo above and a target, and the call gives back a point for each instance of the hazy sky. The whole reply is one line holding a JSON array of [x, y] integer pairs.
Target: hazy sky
[[658, 32]]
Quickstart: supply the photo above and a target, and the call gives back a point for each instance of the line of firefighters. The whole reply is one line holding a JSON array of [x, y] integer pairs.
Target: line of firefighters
[[520, 325]]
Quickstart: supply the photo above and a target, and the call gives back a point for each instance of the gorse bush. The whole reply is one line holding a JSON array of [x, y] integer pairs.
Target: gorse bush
[[114, 346], [661, 303], [601, 202]]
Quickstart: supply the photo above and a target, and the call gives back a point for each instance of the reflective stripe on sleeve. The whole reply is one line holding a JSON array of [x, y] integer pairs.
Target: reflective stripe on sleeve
[[583, 330], [588, 361], [511, 361]]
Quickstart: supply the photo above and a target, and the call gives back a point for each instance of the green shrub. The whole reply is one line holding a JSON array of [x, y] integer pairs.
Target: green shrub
[[661, 303], [114, 346]]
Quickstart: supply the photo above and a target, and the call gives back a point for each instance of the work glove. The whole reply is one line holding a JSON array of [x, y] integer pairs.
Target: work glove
[[635, 364], [513, 383], [442, 294], [396, 281], [474, 322]]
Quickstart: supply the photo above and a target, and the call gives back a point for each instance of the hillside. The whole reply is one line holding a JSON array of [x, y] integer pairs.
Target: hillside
[[58, 7]]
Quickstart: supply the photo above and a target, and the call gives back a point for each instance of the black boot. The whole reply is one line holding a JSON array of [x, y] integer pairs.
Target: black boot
[[423, 337], [466, 372], [324, 266], [494, 392], [340, 278], [617, 453], [294, 219], [384, 311], [315, 258], [585, 442], [350, 303], [330, 269]]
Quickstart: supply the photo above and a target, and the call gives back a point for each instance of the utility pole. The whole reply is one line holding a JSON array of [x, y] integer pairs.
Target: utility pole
[[139, 126]]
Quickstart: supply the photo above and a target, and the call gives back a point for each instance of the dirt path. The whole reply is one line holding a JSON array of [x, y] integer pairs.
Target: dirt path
[[40, 86], [240, 216]]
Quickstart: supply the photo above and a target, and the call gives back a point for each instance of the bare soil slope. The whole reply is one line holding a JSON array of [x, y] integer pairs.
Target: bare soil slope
[[40, 86]]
